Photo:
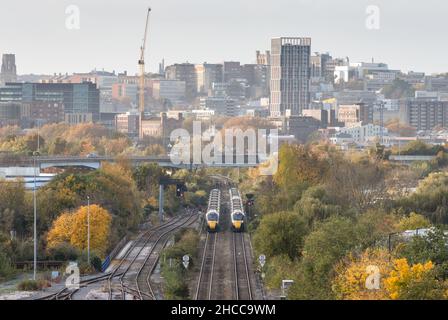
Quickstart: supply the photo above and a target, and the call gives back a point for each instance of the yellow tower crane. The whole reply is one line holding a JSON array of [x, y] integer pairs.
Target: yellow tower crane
[[141, 63]]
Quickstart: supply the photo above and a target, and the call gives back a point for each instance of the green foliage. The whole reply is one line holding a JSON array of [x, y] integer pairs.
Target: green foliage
[[175, 287], [315, 205], [280, 233], [324, 246], [32, 285], [186, 243], [5, 266], [63, 252], [431, 198], [413, 221], [420, 148], [278, 268], [14, 213], [431, 247]]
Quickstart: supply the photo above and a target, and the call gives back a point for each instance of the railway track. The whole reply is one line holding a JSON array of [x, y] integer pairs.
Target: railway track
[[142, 281], [133, 265], [243, 289], [206, 273], [67, 294], [138, 263]]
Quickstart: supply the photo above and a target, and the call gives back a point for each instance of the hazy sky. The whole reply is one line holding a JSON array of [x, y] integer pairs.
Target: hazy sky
[[412, 34]]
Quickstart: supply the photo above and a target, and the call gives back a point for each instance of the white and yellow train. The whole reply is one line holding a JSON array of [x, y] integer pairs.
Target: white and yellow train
[[236, 210], [214, 206]]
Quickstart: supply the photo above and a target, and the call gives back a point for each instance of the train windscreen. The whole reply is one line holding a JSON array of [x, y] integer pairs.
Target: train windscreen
[[213, 216], [238, 216]]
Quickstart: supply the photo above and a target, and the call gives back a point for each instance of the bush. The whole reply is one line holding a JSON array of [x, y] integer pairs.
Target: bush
[[95, 263], [32, 285], [5, 266], [64, 252]]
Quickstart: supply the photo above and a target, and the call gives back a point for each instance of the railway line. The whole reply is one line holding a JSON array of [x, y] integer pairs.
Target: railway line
[[141, 260], [205, 282], [225, 271], [132, 274], [243, 288]]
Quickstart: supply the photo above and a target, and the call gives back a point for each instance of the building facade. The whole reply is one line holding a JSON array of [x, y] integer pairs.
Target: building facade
[[290, 76], [220, 105], [172, 90], [424, 114], [80, 99], [206, 75], [352, 114], [184, 72]]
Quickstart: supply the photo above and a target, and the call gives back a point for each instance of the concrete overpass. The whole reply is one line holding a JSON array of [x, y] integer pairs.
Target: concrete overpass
[[44, 162]]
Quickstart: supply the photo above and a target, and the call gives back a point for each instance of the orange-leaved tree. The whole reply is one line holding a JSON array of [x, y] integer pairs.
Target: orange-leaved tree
[[362, 278], [72, 228]]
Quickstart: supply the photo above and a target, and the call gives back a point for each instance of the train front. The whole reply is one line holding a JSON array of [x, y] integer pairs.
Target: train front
[[212, 218], [237, 220]]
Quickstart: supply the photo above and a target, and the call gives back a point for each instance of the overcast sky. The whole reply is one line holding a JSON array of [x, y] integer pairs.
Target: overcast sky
[[412, 34]]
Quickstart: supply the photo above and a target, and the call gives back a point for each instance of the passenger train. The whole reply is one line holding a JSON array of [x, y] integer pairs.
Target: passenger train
[[214, 206], [236, 210]]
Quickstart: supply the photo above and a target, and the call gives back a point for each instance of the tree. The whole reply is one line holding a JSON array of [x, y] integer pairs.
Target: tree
[[329, 242], [413, 221], [100, 223], [430, 247], [414, 282], [280, 233], [430, 199], [61, 230], [315, 205], [14, 212], [72, 228], [353, 274]]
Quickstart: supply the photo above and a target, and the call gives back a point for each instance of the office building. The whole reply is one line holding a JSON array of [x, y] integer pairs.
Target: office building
[[125, 92], [424, 114], [290, 76], [81, 101], [231, 70], [206, 75], [184, 72], [355, 113], [220, 105], [127, 123], [172, 90], [9, 113]]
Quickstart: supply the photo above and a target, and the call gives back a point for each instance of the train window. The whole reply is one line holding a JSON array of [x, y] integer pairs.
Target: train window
[[238, 216], [212, 217]]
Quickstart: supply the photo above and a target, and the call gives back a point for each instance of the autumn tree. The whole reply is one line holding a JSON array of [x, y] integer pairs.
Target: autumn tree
[[414, 282], [362, 277], [72, 228], [61, 230], [100, 224], [412, 222]]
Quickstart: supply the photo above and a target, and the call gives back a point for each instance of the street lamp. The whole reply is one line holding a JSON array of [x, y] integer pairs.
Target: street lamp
[[88, 230], [35, 217]]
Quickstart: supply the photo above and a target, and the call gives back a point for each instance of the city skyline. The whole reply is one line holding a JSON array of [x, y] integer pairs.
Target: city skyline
[[110, 35]]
